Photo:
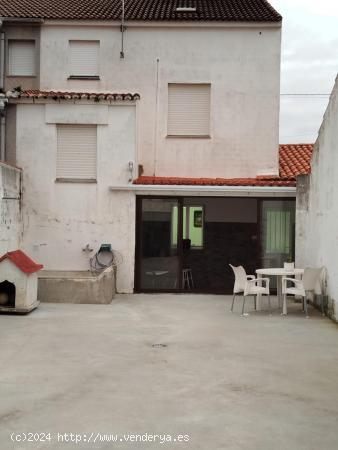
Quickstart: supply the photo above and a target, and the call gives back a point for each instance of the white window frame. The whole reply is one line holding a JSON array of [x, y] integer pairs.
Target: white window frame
[[91, 75], [10, 73], [206, 133], [60, 171]]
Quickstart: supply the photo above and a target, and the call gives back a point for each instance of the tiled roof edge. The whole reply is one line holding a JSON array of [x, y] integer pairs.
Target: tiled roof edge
[[65, 95]]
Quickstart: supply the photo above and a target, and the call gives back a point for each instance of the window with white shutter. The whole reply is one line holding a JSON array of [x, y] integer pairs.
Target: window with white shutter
[[189, 110], [76, 152], [84, 58], [21, 58]]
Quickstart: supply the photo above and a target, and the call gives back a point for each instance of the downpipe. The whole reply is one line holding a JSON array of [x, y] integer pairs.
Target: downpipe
[[2, 135], [2, 57], [3, 99]]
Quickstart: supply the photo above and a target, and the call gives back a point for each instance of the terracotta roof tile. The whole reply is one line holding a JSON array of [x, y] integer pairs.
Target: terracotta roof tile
[[156, 10], [22, 261], [62, 95], [293, 160], [168, 181]]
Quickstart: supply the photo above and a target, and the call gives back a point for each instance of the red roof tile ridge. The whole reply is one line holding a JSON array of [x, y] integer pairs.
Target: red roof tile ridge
[[39, 94], [177, 181]]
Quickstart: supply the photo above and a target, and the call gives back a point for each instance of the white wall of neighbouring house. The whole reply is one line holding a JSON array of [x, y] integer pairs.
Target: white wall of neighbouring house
[[10, 211], [60, 219], [317, 206], [241, 62]]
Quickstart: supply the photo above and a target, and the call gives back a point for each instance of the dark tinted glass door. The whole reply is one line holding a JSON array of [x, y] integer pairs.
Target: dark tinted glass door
[[158, 261]]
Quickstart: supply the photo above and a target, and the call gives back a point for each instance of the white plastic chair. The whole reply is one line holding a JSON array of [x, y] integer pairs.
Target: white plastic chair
[[309, 283], [248, 285]]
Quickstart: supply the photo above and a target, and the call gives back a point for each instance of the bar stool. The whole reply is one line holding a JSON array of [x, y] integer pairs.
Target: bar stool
[[188, 281]]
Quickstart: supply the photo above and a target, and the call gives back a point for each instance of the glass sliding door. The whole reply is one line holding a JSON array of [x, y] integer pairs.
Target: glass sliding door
[[159, 244]]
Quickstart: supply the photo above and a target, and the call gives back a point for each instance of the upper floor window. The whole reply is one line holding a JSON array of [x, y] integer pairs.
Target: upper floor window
[[21, 58], [189, 110], [84, 59], [76, 153]]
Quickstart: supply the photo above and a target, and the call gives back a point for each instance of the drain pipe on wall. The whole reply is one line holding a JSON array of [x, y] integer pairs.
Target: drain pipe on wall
[[2, 56], [2, 132], [3, 99], [156, 116]]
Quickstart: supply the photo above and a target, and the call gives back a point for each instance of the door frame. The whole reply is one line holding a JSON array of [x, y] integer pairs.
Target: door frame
[[180, 201], [138, 243]]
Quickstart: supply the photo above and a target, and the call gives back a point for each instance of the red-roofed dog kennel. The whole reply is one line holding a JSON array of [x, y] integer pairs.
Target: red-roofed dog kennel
[[18, 282]]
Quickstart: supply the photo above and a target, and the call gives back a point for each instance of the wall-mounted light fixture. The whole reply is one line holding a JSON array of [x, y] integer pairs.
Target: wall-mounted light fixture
[[131, 170]]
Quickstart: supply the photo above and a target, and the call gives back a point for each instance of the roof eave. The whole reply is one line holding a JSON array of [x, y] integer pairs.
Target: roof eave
[[208, 191], [164, 23], [21, 19]]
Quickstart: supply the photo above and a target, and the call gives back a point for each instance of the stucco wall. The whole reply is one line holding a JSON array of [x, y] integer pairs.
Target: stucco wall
[[60, 219], [242, 63], [317, 206], [10, 214]]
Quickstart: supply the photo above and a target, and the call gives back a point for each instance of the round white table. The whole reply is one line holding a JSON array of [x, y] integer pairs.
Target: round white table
[[279, 273]]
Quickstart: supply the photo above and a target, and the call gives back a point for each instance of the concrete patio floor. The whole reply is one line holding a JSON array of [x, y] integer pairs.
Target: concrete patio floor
[[228, 382]]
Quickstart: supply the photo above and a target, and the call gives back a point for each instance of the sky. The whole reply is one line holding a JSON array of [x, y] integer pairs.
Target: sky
[[309, 65]]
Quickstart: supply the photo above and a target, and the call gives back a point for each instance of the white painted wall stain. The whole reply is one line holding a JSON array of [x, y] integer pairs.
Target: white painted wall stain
[[10, 215]]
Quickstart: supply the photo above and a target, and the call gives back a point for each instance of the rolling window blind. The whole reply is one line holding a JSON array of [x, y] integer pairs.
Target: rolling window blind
[[21, 58], [189, 110], [76, 151], [84, 58]]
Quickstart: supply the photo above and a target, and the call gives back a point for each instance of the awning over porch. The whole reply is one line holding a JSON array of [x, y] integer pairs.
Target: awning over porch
[[294, 160]]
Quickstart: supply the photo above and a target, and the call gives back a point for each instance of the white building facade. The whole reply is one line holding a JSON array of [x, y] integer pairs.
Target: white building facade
[[180, 94], [227, 59]]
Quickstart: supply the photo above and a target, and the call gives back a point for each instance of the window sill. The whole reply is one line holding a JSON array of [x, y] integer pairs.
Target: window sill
[[183, 136], [84, 77], [21, 76], [76, 180]]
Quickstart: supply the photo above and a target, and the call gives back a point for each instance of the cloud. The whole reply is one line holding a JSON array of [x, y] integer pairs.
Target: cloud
[[309, 64], [328, 8]]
